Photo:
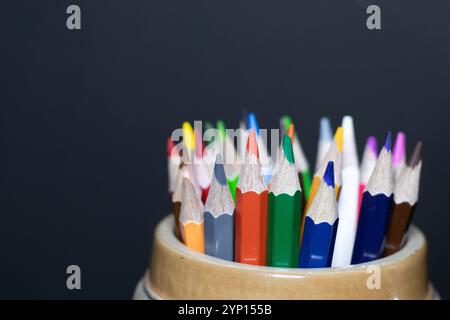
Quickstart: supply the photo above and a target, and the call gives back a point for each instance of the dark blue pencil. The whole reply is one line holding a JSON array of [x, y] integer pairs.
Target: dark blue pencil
[[219, 216], [376, 205], [320, 225]]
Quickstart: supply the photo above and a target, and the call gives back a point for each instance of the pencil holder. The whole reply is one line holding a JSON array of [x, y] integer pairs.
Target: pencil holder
[[176, 272]]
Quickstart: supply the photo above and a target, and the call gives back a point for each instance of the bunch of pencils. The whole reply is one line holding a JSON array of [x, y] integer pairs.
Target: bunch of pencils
[[232, 202]]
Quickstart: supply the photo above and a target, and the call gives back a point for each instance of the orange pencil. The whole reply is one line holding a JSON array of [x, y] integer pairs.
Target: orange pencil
[[251, 209], [191, 217]]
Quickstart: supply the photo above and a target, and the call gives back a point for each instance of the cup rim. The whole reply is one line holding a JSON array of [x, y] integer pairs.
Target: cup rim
[[415, 241]]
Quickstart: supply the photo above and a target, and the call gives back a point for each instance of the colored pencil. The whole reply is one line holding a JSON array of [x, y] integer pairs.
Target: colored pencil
[[301, 163], [320, 225], [173, 163], [264, 156], [284, 211], [406, 194], [219, 216], [348, 198], [231, 158], [251, 209], [291, 134], [193, 141], [376, 207], [368, 162], [176, 198], [325, 140], [191, 217], [334, 154], [399, 155]]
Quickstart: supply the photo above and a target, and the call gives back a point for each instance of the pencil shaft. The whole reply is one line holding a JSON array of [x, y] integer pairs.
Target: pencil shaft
[[219, 235], [193, 236], [348, 216], [283, 229], [317, 244], [176, 207], [251, 227], [372, 225], [398, 226]]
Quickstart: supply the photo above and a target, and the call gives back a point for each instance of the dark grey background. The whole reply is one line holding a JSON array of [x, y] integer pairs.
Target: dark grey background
[[85, 115]]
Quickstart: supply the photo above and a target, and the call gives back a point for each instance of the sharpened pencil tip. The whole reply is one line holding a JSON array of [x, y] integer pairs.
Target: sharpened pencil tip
[[222, 129], [252, 122], [188, 136], [286, 122], [325, 133], [399, 152], [388, 142], [372, 144], [339, 138], [287, 149], [291, 132], [252, 143], [328, 176], [417, 155]]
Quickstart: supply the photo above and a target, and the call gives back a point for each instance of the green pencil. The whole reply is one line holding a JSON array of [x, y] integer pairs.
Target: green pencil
[[284, 211], [301, 163]]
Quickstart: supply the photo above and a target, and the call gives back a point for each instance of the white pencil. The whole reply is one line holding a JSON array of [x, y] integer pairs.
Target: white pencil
[[348, 199]]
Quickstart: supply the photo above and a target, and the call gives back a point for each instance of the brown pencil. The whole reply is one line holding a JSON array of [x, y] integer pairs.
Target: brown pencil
[[405, 199]]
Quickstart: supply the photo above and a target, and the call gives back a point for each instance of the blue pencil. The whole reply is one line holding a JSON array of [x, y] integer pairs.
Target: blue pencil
[[376, 205], [219, 216], [320, 225]]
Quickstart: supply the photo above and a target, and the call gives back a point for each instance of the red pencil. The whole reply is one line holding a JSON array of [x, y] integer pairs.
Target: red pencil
[[251, 209]]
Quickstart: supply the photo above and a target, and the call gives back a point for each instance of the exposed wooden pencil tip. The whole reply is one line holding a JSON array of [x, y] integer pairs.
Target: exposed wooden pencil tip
[[417, 155]]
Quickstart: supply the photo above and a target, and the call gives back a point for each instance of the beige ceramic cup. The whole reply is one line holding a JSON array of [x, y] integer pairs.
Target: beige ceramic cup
[[176, 272]]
